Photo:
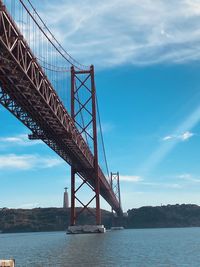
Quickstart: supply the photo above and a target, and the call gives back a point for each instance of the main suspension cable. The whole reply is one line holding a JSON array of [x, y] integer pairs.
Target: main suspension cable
[[60, 49]]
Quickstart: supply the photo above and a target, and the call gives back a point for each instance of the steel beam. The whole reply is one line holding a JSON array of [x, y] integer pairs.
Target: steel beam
[[89, 130], [115, 185], [27, 93]]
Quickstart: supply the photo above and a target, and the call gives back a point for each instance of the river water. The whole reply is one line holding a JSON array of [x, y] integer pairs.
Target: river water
[[134, 248]]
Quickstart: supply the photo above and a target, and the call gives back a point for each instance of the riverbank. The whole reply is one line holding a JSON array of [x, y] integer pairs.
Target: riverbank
[[57, 219]]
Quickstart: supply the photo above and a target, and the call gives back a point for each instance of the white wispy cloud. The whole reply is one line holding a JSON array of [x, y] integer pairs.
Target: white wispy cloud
[[115, 32], [168, 137], [21, 140], [189, 177], [27, 162], [29, 205], [182, 137], [165, 148], [187, 135], [149, 183], [130, 178], [162, 185]]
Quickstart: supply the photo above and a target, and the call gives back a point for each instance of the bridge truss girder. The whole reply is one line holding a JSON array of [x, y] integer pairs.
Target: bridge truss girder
[[27, 93]]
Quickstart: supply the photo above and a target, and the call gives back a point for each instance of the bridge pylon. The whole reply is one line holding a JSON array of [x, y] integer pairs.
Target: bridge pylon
[[115, 185], [83, 113], [117, 219]]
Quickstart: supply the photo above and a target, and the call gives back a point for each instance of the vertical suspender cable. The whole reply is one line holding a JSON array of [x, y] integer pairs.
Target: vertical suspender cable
[[102, 140]]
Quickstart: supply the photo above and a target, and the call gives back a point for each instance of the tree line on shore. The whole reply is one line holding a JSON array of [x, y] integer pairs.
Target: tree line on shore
[[58, 219]]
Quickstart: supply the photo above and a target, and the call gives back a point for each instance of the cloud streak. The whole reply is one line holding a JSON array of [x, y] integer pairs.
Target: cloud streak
[[182, 137], [139, 180], [115, 32], [21, 140], [162, 185], [27, 162], [166, 147], [29, 206], [130, 178], [189, 178]]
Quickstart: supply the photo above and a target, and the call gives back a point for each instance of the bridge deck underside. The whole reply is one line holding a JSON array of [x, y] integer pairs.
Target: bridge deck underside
[[27, 93]]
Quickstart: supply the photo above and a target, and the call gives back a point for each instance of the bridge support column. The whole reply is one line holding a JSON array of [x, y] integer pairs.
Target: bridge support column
[[96, 163], [83, 113], [115, 185], [73, 212], [117, 220]]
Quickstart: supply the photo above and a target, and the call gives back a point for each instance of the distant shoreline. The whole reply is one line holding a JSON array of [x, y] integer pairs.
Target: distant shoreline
[[57, 219]]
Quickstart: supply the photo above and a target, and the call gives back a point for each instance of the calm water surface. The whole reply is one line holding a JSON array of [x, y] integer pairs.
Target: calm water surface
[[134, 248]]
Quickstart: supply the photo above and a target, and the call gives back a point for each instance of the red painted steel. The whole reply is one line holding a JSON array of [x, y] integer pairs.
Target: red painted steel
[[86, 87], [115, 185], [27, 93], [96, 164]]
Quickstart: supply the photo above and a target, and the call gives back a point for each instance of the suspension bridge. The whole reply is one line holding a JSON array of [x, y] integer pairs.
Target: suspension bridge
[[54, 96]]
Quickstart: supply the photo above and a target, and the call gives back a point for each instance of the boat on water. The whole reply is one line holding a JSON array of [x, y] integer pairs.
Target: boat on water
[[117, 228], [86, 229]]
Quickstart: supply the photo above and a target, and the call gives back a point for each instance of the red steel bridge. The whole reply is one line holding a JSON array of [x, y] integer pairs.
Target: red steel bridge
[[55, 97]]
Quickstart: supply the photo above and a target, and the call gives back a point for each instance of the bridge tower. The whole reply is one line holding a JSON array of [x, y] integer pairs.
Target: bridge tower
[[115, 185], [83, 113], [117, 220]]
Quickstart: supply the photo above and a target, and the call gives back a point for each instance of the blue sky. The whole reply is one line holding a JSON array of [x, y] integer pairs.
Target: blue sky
[[146, 57]]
